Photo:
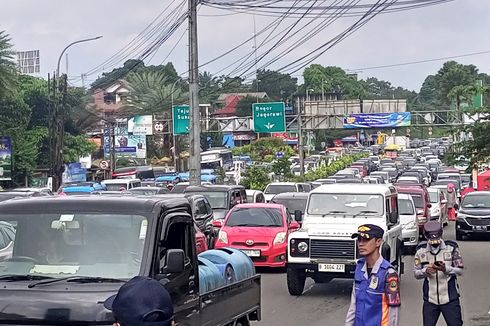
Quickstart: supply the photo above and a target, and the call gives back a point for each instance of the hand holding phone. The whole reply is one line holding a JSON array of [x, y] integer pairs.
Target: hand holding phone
[[440, 265]]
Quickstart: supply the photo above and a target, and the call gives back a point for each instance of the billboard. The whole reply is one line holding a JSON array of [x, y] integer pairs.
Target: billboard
[[28, 62], [377, 120], [5, 158], [141, 125], [126, 145]]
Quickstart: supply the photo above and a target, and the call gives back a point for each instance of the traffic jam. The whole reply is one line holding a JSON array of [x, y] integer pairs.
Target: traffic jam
[[209, 244]]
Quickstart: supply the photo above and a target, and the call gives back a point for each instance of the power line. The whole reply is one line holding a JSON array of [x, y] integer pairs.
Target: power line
[[420, 61]]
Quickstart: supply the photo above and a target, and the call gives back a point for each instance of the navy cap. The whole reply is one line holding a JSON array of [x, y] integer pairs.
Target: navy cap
[[142, 301], [369, 231]]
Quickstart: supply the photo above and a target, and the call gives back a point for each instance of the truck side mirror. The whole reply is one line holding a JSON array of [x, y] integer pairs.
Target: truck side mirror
[[174, 261], [393, 218], [298, 216]]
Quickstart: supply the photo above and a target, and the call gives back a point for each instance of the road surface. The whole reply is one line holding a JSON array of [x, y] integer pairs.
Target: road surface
[[327, 304]]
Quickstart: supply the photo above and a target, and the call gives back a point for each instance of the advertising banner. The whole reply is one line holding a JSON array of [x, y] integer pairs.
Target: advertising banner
[[377, 120], [5, 158], [141, 125]]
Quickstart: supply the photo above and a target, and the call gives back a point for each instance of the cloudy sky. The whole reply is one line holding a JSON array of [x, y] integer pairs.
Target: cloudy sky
[[451, 29]]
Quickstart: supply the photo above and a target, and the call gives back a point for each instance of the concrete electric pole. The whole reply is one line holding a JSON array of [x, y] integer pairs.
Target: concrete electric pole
[[195, 124]]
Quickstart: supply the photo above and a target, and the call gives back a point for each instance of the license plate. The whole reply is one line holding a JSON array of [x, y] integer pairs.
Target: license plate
[[252, 253], [480, 228], [336, 268]]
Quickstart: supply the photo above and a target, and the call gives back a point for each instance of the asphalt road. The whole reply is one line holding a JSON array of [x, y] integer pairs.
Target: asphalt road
[[327, 304]]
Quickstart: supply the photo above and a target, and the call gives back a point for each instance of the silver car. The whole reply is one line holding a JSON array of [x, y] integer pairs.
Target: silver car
[[408, 220], [438, 210]]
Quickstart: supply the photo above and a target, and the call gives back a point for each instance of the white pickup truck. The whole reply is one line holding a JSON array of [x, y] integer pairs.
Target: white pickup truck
[[323, 248]]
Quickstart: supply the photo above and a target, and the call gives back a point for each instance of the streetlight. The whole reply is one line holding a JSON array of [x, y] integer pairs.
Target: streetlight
[[66, 48]]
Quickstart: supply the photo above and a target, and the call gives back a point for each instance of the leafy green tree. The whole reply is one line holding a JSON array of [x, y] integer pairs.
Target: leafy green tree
[[76, 147], [150, 93], [7, 66], [255, 178], [278, 86], [109, 78], [244, 106], [331, 80]]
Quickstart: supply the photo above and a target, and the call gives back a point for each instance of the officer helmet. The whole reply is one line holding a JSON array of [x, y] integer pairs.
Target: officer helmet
[[433, 232]]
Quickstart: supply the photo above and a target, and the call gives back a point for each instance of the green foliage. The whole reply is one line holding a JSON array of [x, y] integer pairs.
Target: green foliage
[[278, 86], [282, 167], [151, 92], [76, 147], [256, 178], [332, 80], [329, 170], [244, 106], [108, 78], [8, 73]]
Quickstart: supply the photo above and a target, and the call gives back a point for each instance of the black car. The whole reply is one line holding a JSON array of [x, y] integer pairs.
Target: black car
[[222, 198], [294, 201], [148, 191], [473, 215]]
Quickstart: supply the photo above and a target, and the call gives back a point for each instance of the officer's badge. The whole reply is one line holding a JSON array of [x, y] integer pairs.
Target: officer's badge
[[447, 256], [374, 282]]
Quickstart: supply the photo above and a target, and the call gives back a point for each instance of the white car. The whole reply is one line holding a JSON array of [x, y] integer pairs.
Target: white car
[[438, 210], [408, 220], [275, 188]]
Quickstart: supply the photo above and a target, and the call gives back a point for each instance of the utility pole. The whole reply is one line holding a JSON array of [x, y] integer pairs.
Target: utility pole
[[195, 123], [299, 107]]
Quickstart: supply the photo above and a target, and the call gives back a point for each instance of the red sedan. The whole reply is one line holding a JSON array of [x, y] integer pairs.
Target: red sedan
[[260, 230]]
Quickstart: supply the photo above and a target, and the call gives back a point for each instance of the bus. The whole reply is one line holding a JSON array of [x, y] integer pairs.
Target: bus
[[215, 158]]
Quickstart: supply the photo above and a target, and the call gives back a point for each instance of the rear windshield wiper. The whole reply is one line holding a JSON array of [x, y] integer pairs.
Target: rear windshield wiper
[[78, 279], [245, 224], [25, 277]]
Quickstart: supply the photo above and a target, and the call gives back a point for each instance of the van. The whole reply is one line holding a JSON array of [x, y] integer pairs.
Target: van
[[134, 172], [421, 199], [121, 184]]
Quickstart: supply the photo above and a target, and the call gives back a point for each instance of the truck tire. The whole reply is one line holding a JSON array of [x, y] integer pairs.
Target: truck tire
[[296, 281]]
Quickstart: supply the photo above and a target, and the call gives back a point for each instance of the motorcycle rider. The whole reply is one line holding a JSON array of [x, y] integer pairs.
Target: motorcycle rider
[[438, 262]]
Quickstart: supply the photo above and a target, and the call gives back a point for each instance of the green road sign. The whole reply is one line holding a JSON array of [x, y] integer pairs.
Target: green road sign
[[269, 117], [180, 119]]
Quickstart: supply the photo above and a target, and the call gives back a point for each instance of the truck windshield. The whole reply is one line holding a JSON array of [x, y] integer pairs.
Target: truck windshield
[[217, 199], [117, 186], [279, 189], [255, 217], [405, 207], [348, 204], [82, 244], [292, 204]]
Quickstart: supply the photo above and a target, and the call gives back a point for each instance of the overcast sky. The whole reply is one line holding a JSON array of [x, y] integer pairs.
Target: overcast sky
[[455, 28]]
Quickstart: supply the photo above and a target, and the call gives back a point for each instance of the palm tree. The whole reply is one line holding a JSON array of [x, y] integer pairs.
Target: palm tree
[[7, 66], [151, 93]]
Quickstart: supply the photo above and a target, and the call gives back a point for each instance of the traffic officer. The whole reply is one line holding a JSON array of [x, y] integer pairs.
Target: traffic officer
[[375, 297], [438, 263]]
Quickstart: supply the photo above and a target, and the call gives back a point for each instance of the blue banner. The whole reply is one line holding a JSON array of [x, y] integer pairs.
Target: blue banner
[[377, 120], [5, 158]]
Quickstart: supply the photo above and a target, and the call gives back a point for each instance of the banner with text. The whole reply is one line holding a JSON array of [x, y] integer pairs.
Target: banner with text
[[377, 120]]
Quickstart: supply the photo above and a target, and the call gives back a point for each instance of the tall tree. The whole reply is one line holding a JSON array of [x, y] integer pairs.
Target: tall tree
[[151, 92], [278, 86], [332, 80], [7, 66]]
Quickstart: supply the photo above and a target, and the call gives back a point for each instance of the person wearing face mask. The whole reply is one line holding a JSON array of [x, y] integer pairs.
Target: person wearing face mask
[[438, 262]]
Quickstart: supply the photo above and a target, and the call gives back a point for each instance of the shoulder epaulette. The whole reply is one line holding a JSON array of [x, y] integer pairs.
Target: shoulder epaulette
[[452, 243]]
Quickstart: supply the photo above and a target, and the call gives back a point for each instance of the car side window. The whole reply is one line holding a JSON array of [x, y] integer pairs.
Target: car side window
[[260, 198], [201, 208], [300, 188], [177, 237]]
